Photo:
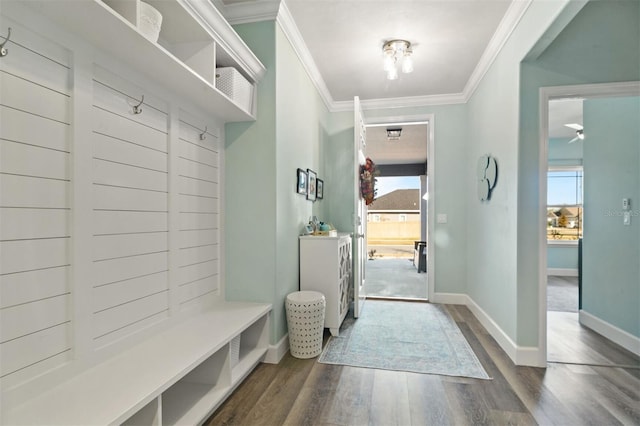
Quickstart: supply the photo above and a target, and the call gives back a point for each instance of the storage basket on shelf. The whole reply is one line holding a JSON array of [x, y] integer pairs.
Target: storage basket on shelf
[[233, 84]]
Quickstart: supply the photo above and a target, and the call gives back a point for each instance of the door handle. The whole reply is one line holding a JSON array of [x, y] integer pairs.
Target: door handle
[[359, 235]]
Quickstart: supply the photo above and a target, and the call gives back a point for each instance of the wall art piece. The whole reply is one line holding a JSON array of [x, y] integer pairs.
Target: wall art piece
[[487, 173], [311, 184], [319, 189], [301, 182]]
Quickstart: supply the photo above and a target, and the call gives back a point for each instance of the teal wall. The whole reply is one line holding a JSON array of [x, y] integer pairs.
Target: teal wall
[[599, 45], [486, 250], [611, 251], [250, 184], [563, 257], [264, 215], [451, 185]]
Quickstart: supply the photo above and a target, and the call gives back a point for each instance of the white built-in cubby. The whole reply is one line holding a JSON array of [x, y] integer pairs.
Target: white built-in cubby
[[195, 39], [177, 377], [112, 291]]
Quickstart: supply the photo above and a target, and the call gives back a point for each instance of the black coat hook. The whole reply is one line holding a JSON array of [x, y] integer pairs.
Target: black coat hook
[[203, 135], [3, 51]]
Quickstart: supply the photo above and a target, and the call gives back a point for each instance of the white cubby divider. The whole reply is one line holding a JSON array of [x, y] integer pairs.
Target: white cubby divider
[[194, 39]]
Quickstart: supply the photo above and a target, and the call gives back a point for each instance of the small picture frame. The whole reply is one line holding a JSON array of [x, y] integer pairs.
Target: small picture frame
[[301, 182], [319, 189], [311, 184]]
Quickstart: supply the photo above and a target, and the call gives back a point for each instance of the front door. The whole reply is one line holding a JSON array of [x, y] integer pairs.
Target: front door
[[360, 212]]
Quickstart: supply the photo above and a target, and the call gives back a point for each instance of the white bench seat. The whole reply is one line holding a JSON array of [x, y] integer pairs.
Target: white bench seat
[[178, 376]]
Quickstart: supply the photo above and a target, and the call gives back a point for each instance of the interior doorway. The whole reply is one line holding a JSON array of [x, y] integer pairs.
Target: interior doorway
[[397, 222], [571, 329]]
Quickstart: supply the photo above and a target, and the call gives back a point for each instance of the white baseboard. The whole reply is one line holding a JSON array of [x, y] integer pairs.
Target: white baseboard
[[562, 272], [449, 298], [611, 332], [276, 352], [520, 355]]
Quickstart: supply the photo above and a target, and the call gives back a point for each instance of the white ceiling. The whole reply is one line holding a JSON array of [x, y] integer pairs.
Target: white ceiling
[[340, 45]]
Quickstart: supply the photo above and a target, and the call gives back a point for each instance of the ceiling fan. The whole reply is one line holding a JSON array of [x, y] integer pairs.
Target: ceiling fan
[[579, 131]]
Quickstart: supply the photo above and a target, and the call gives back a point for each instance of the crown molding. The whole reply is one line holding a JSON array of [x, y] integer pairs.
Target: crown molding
[[251, 11], [216, 24], [260, 10], [507, 25], [290, 29]]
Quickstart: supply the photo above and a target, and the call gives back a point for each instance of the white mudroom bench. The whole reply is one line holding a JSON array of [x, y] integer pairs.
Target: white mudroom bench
[[178, 376]]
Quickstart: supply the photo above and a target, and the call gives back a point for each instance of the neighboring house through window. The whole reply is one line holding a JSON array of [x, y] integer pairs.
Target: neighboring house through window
[[564, 203]]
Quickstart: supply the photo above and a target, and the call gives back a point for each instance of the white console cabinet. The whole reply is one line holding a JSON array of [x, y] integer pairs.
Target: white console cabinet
[[325, 266]]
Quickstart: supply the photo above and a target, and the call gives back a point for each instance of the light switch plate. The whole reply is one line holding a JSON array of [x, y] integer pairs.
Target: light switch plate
[[625, 204], [442, 218], [626, 218]]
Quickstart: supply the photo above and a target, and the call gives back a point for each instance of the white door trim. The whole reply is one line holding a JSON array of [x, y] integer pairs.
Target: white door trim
[[431, 184], [631, 88]]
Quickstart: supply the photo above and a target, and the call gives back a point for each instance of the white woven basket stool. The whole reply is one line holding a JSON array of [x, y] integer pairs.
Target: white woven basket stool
[[305, 317]]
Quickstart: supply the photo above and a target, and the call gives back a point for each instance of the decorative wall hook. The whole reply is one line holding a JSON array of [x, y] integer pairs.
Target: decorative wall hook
[[3, 51], [137, 109], [203, 135]]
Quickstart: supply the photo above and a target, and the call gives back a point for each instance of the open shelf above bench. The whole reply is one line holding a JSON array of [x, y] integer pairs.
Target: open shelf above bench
[[194, 40]]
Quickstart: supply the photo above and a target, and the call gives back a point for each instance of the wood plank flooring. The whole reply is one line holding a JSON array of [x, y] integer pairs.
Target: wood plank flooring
[[304, 392]]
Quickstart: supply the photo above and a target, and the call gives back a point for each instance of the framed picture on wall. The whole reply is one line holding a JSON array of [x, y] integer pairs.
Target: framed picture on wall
[[301, 182], [319, 189], [311, 184]]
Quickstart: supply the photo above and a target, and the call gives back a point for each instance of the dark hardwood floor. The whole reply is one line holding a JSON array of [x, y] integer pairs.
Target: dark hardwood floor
[[304, 392]]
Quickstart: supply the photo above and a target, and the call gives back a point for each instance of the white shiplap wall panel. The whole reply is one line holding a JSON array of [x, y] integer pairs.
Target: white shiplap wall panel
[[130, 210], [197, 170], [29, 191], [36, 316], [34, 348], [20, 223], [192, 255], [198, 221], [193, 186], [129, 313], [195, 204], [125, 245], [26, 96], [198, 212], [122, 127], [198, 237], [33, 130], [128, 222], [35, 179], [28, 255], [108, 296], [198, 271], [18, 158], [108, 172], [25, 287], [123, 151], [118, 198]]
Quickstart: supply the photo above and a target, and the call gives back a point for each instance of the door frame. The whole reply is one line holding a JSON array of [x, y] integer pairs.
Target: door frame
[[547, 94], [431, 183]]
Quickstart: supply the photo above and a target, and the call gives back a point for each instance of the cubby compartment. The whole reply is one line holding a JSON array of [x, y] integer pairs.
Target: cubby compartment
[[252, 345], [197, 392], [188, 42], [150, 415]]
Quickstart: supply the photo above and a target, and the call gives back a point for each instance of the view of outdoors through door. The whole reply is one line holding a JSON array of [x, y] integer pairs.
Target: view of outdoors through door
[[396, 265]]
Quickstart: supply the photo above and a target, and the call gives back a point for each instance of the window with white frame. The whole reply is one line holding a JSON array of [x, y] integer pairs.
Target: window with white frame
[[564, 203]]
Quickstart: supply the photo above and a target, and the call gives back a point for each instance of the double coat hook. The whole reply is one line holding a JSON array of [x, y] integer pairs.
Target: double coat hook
[[3, 50]]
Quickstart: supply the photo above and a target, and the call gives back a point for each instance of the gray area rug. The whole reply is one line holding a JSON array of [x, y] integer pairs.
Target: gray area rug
[[403, 336], [562, 294]]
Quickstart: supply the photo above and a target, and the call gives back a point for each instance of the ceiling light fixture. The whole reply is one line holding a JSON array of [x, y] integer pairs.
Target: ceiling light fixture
[[397, 51], [393, 134]]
